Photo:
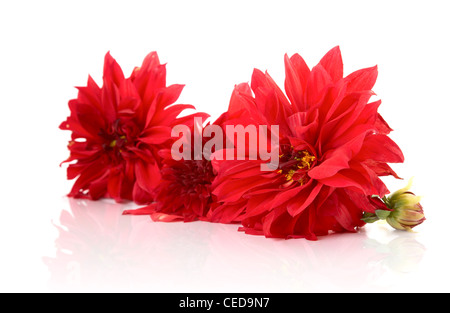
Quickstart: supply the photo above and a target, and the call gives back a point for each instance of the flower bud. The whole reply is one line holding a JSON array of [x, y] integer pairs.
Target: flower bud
[[407, 212]]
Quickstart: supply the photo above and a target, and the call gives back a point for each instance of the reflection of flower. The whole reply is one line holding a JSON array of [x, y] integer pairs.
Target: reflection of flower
[[98, 249], [343, 262], [90, 243], [333, 147], [402, 254], [118, 129]]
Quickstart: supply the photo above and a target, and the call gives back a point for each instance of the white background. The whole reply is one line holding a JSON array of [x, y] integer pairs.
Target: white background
[[48, 47]]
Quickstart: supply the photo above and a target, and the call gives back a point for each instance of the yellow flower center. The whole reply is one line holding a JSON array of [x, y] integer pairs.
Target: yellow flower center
[[295, 166], [114, 142]]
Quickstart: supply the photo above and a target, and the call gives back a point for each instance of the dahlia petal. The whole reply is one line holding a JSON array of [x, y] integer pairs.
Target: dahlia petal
[[323, 195], [304, 199], [349, 178], [293, 85], [112, 72], [189, 119], [89, 174], [74, 170], [363, 79], [256, 205], [227, 213], [337, 160], [332, 63], [156, 81], [338, 181], [169, 95], [90, 94], [369, 114], [380, 148], [110, 100], [78, 131], [348, 213], [380, 168], [374, 185], [147, 78], [141, 196], [348, 116], [150, 61], [297, 74], [344, 218], [318, 80], [351, 141], [147, 210], [146, 155], [112, 79], [233, 191], [147, 175], [129, 98], [240, 100], [232, 167], [115, 184], [382, 125], [306, 224], [246, 171], [168, 218], [301, 68], [98, 188], [300, 144], [363, 202], [300, 127], [277, 104], [169, 115], [278, 92], [278, 224], [284, 196], [83, 153], [156, 135], [260, 87], [88, 117], [251, 231]]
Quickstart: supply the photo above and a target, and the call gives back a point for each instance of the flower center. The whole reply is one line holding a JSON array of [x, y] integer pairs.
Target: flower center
[[118, 136], [189, 176], [294, 165], [119, 142]]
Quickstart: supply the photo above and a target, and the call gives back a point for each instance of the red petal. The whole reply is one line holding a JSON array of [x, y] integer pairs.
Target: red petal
[[363, 79], [318, 80], [337, 159], [156, 135], [293, 85], [380, 148], [380, 168], [147, 175], [147, 210], [150, 61], [112, 72], [304, 198], [332, 63], [169, 116]]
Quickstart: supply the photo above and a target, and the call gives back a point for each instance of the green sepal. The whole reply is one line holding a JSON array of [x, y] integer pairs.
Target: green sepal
[[382, 214], [369, 217]]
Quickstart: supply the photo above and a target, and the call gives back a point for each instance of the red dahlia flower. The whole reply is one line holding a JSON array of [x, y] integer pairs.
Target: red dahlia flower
[[333, 147], [118, 129], [185, 190]]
